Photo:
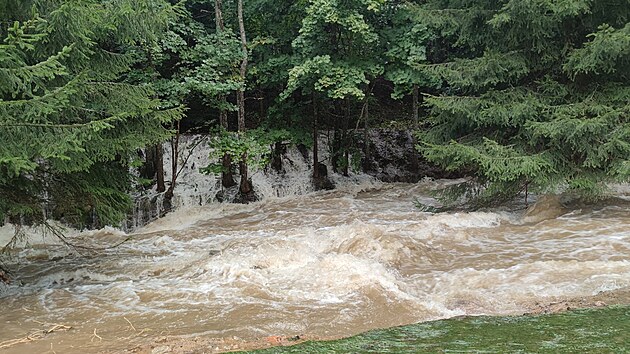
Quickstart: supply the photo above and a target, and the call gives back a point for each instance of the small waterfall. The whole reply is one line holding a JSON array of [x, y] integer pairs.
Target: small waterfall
[[194, 188], [147, 208], [294, 179]]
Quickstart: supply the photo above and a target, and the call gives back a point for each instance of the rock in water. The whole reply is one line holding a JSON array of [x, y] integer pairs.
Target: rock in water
[[547, 207]]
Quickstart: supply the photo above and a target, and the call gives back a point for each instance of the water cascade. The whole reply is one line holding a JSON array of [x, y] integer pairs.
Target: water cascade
[[194, 188]]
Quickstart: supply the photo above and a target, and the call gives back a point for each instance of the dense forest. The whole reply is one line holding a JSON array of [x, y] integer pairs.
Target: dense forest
[[524, 96]]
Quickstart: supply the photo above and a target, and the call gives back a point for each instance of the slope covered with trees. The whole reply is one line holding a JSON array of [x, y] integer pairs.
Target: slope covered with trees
[[532, 94], [520, 95], [70, 121]]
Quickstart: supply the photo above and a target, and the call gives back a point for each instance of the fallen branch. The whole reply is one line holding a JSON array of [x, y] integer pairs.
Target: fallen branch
[[35, 335], [17, 235], [95, 336], [135, 335], [131, 324], [59, 234], [5, 274]]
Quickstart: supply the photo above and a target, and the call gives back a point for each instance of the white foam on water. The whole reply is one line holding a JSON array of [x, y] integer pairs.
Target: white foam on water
[[324, 262], [34, 235]]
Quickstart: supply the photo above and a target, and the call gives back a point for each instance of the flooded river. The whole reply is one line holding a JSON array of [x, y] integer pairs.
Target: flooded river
[[325, 264]]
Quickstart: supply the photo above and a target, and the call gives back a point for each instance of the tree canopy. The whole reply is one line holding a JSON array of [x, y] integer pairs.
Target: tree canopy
[[520, 95], [69, 118], [531, 94]]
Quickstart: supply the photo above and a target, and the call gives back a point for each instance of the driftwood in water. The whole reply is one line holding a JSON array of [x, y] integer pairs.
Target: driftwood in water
[[35, 335]]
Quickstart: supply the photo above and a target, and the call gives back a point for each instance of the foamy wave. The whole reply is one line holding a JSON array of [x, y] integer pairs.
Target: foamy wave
[[34, 235]]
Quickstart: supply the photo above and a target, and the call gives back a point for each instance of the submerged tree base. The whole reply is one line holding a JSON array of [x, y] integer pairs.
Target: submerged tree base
[[246, 198], [592, 330]]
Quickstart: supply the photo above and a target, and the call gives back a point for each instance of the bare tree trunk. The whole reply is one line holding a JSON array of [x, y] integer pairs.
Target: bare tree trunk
[[159, 167], [168, 196], [218, 15], [414, 106], [315, 142], [245, 186], [227, 179]]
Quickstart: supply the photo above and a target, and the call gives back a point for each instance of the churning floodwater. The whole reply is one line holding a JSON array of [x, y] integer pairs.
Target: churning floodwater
[[327, 264]]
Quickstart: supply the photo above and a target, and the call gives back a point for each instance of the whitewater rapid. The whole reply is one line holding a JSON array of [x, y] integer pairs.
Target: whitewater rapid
[[329, 263]]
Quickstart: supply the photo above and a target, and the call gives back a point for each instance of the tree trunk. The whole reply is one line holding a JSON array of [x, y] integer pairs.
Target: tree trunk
[[346, 140], [366, 131], [261, 107], [245, 186], [168, 196], [159, 167], [315, 142], [4, 277], [227, 179], [414, 106], [218, 15], [243, 71], [220, 27]]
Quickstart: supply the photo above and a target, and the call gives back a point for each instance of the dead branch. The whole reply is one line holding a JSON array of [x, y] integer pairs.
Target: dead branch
[[131, 324], [34, 335], [96, 336], [59, 234]]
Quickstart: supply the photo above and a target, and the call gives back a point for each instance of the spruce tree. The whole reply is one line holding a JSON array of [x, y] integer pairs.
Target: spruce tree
[[70, 121], [531, 96]]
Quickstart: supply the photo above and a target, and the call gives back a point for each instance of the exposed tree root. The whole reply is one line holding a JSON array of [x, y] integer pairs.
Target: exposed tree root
[[35, 335]]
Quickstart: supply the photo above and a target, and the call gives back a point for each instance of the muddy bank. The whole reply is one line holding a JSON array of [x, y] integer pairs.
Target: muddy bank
[[606, 298], [202, 344]]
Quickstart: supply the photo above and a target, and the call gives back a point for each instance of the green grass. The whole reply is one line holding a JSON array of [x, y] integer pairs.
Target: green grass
[[604, 330]]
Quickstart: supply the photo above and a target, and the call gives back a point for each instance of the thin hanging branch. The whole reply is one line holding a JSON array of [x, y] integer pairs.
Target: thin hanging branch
[[64, 239]]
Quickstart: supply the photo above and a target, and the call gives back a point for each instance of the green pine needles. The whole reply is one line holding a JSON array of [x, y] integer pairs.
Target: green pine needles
[[522, 95], [69, 121], [531, 94]]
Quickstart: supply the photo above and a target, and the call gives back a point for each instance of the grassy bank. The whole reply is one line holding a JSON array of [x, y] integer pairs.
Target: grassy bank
[[604, 330]]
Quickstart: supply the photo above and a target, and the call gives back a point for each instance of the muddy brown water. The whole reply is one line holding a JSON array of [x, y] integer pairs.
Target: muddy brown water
[[327, 264]]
